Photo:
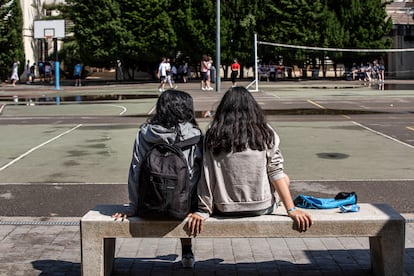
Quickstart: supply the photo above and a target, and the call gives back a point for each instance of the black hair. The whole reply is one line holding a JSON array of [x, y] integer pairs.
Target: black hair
[[239, 123], [173, 107]]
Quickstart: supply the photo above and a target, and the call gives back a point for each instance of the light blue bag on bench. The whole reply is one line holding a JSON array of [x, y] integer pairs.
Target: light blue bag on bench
[[310, 202]]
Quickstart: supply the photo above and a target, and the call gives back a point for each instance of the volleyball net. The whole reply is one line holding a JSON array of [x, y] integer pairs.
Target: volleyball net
[[300, 61]]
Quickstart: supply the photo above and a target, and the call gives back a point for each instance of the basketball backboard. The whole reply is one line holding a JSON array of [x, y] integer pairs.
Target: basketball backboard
[[49, 28]]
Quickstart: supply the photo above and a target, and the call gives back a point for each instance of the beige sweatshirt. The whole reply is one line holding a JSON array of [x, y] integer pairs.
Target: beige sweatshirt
[[239, 182]]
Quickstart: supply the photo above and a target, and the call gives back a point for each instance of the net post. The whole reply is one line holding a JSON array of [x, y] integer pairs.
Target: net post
[[255, 81]]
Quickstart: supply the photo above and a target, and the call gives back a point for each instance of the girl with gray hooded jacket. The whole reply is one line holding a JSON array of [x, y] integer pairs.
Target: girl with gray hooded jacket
[[174, 121]]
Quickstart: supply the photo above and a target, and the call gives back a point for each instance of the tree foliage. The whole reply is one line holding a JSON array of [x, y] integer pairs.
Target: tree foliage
[[139, 33], [11, 36], [98, 30]]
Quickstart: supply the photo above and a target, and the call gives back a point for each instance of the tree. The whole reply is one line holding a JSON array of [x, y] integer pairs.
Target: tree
[[98, 30], [297, 22], [239, 23], [195, 23], [150, 33], [11, 36], [366, 25], [139, 33], [328, 23]]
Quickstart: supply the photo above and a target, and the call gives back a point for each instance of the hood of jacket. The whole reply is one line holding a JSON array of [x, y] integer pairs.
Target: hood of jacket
[[153, 134]]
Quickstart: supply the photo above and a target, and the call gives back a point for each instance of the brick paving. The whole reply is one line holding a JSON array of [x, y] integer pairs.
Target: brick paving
[[35, 248]]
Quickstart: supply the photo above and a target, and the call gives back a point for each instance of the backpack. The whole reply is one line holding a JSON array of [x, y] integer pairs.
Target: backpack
[[310, 202], [166, 189]]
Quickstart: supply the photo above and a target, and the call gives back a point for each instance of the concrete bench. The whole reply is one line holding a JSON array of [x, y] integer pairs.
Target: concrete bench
[[383, 225]]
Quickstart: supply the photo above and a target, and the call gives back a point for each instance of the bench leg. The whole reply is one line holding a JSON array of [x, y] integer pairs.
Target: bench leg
[[387, 254], [97, 256], [109, 254]]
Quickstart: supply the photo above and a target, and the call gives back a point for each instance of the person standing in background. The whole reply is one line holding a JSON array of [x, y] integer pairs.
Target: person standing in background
[[15, 72], [235, 68], [32, 72], [77, 73], [204, 68], [162, 74], [27, 71]]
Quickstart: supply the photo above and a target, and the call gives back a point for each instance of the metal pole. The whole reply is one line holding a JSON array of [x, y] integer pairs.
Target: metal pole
[[57, 65], [256, 78], [218, 50]]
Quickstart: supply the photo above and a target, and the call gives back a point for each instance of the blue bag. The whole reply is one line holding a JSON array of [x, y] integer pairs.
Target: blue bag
[[310, 202]]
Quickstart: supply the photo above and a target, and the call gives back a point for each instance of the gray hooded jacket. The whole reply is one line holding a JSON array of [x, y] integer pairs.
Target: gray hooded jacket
[[149, 135]]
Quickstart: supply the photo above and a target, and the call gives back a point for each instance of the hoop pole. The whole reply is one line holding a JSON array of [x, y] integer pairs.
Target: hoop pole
[[57, 66]]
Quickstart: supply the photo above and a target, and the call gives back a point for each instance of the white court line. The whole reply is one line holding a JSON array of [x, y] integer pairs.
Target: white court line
[[120, 106], [383, 135], [61, 183], [316, 104], [351, 180], [37, 147], [152, 109]]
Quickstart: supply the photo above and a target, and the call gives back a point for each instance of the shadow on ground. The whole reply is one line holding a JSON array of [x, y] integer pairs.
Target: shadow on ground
[[328, 262]]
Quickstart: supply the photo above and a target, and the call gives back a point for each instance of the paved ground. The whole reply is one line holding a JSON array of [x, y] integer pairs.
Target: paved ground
[[336, 136], [32, 247]]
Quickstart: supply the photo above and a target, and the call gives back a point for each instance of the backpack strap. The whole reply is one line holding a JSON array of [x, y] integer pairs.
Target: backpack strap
[[189, 142]]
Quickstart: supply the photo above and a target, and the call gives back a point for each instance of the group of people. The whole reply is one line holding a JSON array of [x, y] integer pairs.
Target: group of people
[[271, 72], [374, 71], [168, 73], [227, 183], [45, 72]]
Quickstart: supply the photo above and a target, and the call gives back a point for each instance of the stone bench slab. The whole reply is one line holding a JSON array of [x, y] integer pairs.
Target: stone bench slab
[[383, 225]]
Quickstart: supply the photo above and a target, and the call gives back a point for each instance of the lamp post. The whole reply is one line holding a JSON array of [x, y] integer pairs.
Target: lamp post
[[218, 50]]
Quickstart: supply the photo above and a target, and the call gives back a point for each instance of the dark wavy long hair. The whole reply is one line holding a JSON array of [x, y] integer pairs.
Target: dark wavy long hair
[[239, 123], [174, 107]]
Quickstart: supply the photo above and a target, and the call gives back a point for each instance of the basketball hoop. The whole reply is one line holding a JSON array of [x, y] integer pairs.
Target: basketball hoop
[[49, 33]]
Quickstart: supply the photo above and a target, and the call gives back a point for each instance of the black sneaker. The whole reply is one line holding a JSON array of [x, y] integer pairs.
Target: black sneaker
[[188, 260]]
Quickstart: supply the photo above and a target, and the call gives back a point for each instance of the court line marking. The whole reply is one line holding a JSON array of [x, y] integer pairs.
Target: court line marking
[[152, 110], [351, 180], [367, 128], [124, 109], [61, 183], [316, 104], [383, 135], [38, 147]]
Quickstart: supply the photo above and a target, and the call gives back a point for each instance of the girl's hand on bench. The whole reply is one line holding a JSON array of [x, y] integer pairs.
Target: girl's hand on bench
[[195, 224], [121, 216], [302, 220]]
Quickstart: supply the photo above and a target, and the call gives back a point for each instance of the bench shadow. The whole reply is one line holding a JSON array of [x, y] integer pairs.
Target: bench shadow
[[327, 262], [56, 267], [333, 262]]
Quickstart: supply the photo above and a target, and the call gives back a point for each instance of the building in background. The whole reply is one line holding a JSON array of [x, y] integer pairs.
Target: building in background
[[400, 65]]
